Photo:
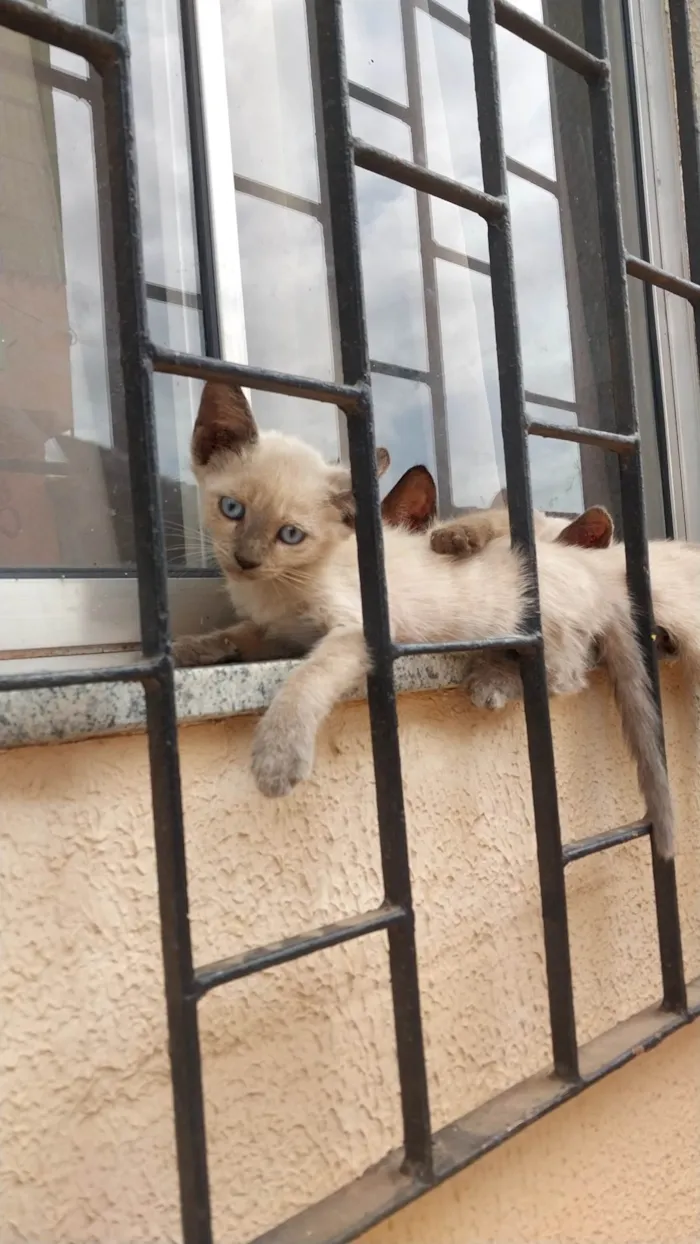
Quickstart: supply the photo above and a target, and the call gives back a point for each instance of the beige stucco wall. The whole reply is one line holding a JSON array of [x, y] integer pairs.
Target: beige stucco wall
[[300, 1077]]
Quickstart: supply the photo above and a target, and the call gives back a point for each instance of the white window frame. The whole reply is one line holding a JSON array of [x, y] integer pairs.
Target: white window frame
[[661, 160]]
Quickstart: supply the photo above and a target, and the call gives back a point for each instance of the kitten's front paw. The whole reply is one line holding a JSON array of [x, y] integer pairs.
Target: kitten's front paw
[[455, 541], [491, 683], [282, 756], [185, 652], [196, 650], [490, 697]]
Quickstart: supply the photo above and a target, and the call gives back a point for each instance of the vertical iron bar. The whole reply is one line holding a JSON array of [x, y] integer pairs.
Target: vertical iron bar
[[206, 253], [380, 683], [153, 605], [532, 666], [631, 482], [428, 264], [325, 219]]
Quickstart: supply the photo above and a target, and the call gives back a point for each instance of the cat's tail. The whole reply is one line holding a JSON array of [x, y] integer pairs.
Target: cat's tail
[[641, 725]]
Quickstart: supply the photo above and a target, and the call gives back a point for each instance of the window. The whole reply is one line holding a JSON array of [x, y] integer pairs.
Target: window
[[425, 1158], [236, 237]]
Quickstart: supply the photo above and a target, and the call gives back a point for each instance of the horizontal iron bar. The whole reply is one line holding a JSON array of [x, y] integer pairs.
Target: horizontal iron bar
[[137, 671], [384, 1189], [409, 174], [547, 40], [653, 275], [602, 842], [25, 18], [520, 643], [616, 442], [251, 961], [175, 363]]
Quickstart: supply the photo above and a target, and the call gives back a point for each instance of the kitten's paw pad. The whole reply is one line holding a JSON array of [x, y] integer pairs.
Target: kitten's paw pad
[[488, 697], [455, 542], [280, 761]]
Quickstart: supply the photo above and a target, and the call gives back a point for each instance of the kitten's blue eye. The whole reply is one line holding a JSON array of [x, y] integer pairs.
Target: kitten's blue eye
[[230, 508], [291, 535]]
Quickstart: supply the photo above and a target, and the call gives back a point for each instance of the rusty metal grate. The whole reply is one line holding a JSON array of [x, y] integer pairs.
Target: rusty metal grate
[[426, 1158]]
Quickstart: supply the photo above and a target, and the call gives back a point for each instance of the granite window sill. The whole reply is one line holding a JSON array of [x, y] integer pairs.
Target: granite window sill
[[213, 693]]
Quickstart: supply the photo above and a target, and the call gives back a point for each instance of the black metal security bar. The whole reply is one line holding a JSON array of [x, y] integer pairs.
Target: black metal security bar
[[403, 963], [514, 424], [631, 484], [425, 1158]]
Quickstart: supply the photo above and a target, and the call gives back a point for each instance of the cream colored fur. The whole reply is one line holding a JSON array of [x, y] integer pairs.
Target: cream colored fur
[[308, 593], [593, 615]]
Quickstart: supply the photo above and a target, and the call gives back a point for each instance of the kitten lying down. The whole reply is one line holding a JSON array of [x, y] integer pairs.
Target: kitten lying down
[[492, 679], [280, 520]]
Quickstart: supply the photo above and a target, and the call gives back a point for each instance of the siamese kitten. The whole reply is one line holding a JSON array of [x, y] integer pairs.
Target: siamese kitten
[[280, 520]]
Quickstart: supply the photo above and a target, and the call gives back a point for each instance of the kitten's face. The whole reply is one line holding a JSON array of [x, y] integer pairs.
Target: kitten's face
[[273, 508], [270, 509]]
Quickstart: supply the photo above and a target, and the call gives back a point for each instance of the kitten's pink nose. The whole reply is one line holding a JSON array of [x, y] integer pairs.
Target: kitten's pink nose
[[244, 563]]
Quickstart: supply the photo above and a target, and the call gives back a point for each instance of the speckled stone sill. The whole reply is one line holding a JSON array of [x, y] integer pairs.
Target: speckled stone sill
[[65, 714]]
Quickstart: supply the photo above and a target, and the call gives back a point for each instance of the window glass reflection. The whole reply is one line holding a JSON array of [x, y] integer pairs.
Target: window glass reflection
[[64, 498], [374, 46], [555, 466]]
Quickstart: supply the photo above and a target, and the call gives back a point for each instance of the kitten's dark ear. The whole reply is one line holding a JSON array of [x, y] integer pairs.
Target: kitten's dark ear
[[225, 423], [383, 461], [412, 502], [591, 530], [341, 487]]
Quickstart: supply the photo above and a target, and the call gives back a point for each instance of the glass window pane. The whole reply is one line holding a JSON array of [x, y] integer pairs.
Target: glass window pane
[[84, 286], [527, 114], [471, 384], [287, 319], [451, 129], [54, 417], [64, 499], [165, 173], [374, 46], [380, 130], [545, 330], [64, 482], [404, 425], [555, 466], [391, 268], [68, 61], [270, 98], [176, 402]]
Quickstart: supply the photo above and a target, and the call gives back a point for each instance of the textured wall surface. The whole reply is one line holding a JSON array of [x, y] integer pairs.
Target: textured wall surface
[[299, 1064]]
